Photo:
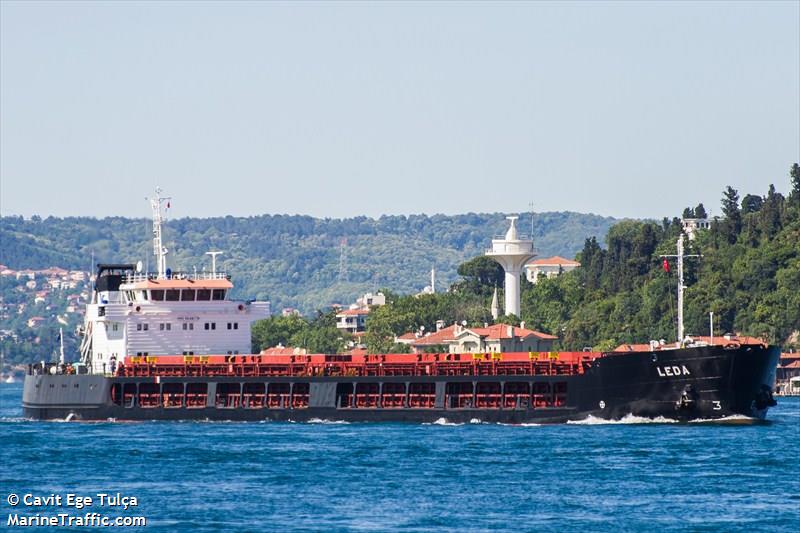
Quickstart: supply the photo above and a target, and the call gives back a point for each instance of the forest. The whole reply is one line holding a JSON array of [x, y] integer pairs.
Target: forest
[[293, 261]]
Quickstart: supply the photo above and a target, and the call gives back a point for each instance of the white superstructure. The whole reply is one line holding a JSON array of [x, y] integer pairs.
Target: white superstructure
[[135, 313]]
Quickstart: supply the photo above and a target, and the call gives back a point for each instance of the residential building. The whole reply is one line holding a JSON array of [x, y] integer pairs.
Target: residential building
[[489, 339], [691, 225], [549, 267]]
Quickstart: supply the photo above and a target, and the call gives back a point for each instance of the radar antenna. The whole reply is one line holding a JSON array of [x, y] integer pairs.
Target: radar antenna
[[214, 255]]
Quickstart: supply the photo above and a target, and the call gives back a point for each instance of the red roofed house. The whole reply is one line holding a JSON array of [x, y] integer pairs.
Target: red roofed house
[[497, 338], [421, 343], [549, 267], [500, 338], [283, 350]]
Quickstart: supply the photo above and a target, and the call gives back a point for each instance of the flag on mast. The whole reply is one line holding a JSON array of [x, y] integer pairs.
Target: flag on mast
[[665, 264]]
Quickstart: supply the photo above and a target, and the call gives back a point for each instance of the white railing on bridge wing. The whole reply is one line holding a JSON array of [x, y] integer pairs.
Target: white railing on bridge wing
[[146, 276]]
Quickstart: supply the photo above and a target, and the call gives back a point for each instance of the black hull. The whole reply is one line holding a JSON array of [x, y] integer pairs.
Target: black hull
[[687, 384]]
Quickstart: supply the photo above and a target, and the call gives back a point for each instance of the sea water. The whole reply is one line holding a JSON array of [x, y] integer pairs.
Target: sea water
[[638, 475]]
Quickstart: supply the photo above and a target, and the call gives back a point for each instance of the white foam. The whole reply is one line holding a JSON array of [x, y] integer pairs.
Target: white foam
[[324, 421], [731, 419], [441, 422], [627, 419], [476, 421]]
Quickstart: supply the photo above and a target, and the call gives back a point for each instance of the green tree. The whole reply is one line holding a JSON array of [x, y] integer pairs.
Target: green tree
[[794, 178], [700, 211], [733, 217], [481, 274], [751, 203], [277, 330]]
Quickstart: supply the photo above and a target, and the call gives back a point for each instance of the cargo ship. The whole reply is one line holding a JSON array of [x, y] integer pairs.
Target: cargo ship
[[173, 346]]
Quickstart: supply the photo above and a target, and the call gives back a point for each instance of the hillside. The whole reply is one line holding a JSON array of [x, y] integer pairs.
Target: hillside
[[294, 261]]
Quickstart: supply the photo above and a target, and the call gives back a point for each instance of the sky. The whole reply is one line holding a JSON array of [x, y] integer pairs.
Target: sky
[[625, 109]]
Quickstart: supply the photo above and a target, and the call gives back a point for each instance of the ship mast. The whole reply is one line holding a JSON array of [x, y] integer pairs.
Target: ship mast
[[680, 256], [158, 248]]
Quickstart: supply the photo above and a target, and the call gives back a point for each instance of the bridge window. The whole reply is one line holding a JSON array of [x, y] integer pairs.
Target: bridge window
[[157, 295], [173, 295], [187, 295], [203, 295], [219, 294]]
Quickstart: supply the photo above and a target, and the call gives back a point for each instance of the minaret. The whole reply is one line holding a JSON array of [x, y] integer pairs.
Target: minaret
[[495, 305], [512, 252]]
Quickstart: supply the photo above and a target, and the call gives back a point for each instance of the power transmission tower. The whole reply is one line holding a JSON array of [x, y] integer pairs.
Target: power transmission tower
[[343, 260]]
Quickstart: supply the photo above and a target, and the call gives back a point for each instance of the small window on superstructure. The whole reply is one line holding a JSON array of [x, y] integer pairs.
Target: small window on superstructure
[[207, 325], [187, 295], [145, 326], [143, 295], [161, 327], [235, 325], [191, 326], [213, 325], [169, 326], [203, 295], [229, 325], [138, 327], [157, 295], [115, 327], [173, 295], [185, 326], [219, 294]]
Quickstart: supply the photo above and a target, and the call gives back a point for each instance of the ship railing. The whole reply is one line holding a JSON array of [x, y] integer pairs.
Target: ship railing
[[137, 277], [38, 369], [346, 369]]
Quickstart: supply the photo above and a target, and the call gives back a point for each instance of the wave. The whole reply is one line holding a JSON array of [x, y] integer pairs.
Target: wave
[[592, 420], [442, 422], [730, 419], [325, 421]]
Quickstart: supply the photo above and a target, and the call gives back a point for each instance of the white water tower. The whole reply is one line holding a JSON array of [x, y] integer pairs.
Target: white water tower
[[512, 252]]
